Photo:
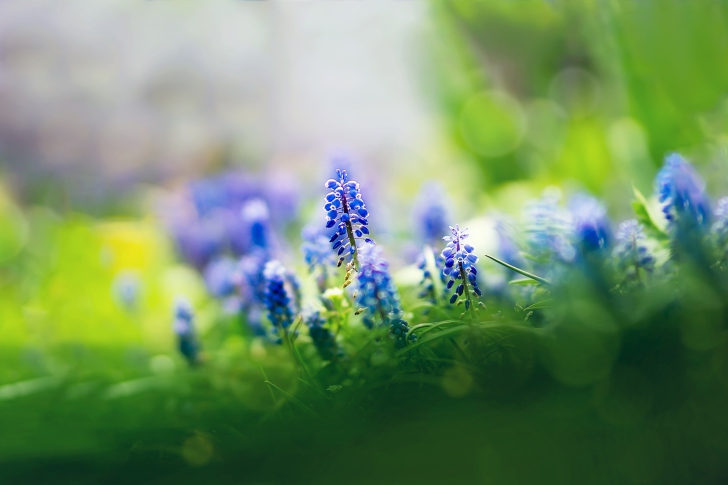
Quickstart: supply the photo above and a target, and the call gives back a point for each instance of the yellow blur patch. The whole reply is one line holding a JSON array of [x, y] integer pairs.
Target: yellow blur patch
[[129, 244]]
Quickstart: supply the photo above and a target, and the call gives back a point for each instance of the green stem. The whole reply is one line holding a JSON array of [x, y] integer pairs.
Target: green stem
[[431, 265], [352, 243], [464, 277]]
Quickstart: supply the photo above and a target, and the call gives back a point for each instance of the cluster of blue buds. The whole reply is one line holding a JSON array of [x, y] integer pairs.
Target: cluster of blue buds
[[431, 213], [276, 298], [323, 339], [345, 210], [256, 218], [592, 228], [681, 192], [184, 328], [460, 266], [548, 230], [316, 253], [220, 277], [377, 295], [631, 254]]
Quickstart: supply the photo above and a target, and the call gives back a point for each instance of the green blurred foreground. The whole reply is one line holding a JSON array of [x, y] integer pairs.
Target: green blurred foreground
[[93, 392]]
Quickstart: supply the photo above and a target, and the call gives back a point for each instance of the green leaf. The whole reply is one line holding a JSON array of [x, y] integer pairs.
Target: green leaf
[[643, 214], [543, 281], [539, 304], [523, 282]]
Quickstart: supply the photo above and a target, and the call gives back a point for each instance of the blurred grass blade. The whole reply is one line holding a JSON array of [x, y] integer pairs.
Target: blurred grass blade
[[543, 281]]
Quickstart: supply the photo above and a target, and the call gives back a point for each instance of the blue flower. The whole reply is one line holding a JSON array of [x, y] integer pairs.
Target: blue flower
[[252, 288], [592, 228], [459, 267], [681, 192], [431, 214], [219, 277], [184, 328], [631, 254], [548, 231], [317, 254], [256, 218], [377, 295], [345, 210], [126, 289], [323, 339], [507, 248], [276, 298]]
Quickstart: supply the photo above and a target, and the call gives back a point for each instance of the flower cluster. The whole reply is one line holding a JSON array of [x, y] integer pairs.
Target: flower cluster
[[317, 254], [431, 214], [548, 231], [276, 298], [681, 192], [631, 254], [346, 211], [184, 328], [592, 228], [377, 295], [460, 266], [323, 339]]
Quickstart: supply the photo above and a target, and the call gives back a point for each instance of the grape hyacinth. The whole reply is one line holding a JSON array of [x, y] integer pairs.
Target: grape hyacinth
[[459, 265], [255, 215], [431, 214], [548, 231], [377, 295], [276, 298], [323, 339], [681, 191], [346, 211], [185, 330], [591, 225], [631, 254], [219, 277], [317, 254]]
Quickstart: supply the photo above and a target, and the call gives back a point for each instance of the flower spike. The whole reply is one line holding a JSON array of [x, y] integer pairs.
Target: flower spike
[[378, 297], [631, 254], [460, 262], [184, 328], [345, 210], [276, 300]]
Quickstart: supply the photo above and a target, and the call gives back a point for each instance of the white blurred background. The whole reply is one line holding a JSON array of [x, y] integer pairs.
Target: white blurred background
[[97, 95]]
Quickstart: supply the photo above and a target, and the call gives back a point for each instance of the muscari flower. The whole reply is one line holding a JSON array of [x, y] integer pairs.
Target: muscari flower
[[126, 289], [256, 217], [431, 213], [346, 211], [591, 226], [459, 266], [184, 328], [323, 339], [317, 254], [377, 295], [220, 277], [547, 229], [276, 299], [631, 254], [681, 192]]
